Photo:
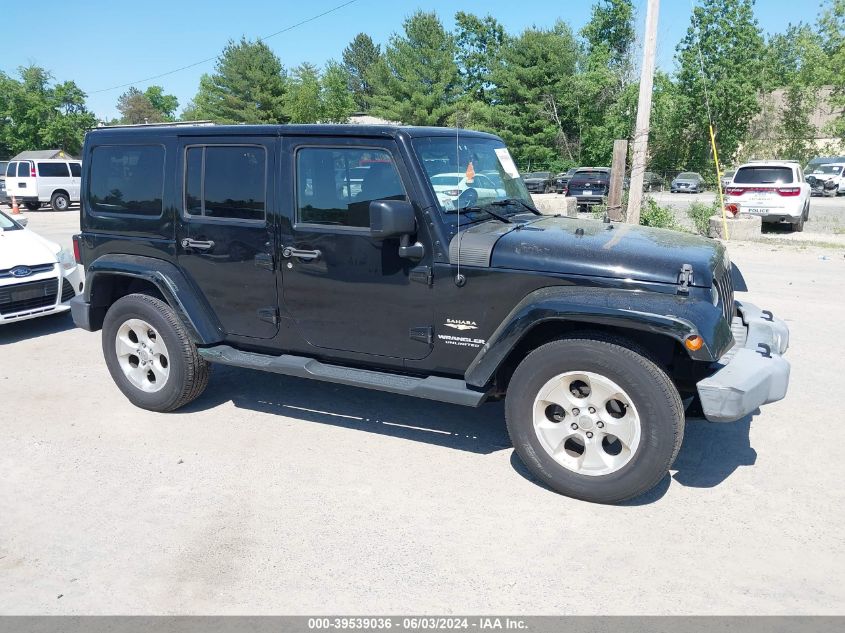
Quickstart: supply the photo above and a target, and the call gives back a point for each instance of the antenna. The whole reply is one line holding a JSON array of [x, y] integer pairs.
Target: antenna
[[460, 280]]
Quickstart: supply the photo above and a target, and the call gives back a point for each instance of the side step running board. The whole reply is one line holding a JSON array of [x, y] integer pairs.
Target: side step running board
[[448, 390]]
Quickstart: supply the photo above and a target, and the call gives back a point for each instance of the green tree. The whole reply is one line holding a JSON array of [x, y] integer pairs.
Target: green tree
[[337, 102], [135, 107], [303, 98], [417, 80], [610, 35], [249, 85], [164, 103], [724, 35], [479, 43], [359, 58], [35, 114], [535, 107], [831, 26]]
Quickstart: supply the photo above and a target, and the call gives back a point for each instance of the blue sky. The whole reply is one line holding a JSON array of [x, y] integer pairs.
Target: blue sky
[[100, 43]]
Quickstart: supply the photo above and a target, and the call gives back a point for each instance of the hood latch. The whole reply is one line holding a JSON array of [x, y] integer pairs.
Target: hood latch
[[685, 279]]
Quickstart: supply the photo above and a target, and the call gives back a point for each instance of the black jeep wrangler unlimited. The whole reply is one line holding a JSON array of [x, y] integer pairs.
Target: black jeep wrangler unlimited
[[412, 260]]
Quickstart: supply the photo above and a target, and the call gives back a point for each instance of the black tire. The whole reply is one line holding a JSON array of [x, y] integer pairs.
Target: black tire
[[60, 201], [32, 206], [650, 389], [798, 227], [188, 371]]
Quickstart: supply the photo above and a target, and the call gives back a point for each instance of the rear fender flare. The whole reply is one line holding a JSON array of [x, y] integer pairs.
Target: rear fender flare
[[669, 315], [180, 294]]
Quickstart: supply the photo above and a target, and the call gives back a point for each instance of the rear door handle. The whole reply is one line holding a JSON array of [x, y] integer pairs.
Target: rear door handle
[[200, 245], [289, 251]]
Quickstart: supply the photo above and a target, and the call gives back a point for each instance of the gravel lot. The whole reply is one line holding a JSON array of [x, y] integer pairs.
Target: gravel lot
[[278, 495]]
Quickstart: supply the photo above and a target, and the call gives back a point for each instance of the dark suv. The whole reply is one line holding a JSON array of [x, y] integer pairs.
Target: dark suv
[[326, 252]]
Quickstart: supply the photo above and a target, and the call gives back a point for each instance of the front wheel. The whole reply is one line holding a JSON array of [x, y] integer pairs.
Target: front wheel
[[593, 419], [150, 354]]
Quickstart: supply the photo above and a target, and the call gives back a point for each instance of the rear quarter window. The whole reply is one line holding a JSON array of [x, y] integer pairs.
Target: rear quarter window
[[126, 179], [763, 175], [53, 170]]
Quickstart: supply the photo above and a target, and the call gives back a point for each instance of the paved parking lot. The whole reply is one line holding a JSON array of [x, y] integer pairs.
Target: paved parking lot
[[273, 494]]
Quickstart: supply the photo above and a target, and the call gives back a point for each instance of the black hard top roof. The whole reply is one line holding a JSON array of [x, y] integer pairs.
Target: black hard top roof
[[384, 131]]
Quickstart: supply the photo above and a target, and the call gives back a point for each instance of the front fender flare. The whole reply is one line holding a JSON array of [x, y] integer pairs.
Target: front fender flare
[[669, 315], [187, 300]]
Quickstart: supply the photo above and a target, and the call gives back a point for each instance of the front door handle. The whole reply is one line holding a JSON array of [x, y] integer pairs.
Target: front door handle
[[200, 245], [289, 251]]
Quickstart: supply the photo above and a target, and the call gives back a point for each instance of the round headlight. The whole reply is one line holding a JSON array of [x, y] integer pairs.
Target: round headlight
[[714, 294]]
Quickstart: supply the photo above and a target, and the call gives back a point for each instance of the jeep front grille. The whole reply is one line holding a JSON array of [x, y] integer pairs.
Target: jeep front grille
[[725, 287], [28, 296]]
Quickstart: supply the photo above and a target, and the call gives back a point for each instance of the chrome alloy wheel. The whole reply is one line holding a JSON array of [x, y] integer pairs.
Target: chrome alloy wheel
[[587, 423], [142, 355]]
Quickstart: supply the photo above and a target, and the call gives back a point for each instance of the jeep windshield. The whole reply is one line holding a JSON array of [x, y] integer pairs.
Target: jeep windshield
[[472, 175]]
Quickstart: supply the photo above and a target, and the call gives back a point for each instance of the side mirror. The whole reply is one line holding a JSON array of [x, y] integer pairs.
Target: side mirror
[[391, 218], [22, 221]]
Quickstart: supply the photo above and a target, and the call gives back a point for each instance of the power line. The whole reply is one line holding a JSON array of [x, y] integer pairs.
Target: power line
[[204, 61]]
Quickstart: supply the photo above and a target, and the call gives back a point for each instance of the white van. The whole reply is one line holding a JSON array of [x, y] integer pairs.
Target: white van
[[35, 182]]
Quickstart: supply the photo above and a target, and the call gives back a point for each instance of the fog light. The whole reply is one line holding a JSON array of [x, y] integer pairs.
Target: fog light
[[694, 343]]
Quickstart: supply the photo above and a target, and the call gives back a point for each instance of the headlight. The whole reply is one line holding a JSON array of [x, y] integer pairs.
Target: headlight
[[714, 294], [66, 259]]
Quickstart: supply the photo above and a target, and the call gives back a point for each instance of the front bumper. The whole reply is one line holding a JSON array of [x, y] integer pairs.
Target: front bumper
[[752, 373]]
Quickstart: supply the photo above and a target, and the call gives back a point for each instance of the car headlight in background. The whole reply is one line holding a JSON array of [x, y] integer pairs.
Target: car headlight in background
[[66, 259], [714, 294]]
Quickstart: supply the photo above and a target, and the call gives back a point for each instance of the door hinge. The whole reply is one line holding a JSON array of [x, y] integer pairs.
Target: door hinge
[[685, 279], [422, 334], [422, 275], [270, 315]]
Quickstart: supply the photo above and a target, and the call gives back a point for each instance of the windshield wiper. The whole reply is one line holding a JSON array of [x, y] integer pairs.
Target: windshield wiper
[[509, 201], [477, 209]]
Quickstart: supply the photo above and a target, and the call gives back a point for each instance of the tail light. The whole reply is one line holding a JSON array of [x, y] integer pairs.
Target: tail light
[[734, 191], [77, 254], [789, 192], [452, 192], [32, 170]]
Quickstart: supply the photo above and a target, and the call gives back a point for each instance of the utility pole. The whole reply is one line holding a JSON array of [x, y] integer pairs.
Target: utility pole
[[617, 180], [635, 193]]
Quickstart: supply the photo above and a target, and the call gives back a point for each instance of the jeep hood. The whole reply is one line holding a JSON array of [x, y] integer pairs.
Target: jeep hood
[[585, 247]]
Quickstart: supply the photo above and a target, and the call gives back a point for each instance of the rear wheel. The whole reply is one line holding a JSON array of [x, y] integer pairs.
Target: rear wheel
[[32, 206], [798, 226], [150, 355], [593, 419], [60, 201]]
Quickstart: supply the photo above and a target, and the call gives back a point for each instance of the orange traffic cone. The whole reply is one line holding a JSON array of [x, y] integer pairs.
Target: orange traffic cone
[[15, 209]]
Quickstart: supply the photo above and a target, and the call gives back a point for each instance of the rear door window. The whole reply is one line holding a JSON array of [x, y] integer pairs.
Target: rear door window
[[23, 170], [53, 170], [763, 175], [126, 179], [226, 182], [12, 169]]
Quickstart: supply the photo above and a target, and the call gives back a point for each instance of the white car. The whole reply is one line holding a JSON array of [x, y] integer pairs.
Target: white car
[[831, 171], [37, 276], [773, 189], [36, 182], [451, 186]]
